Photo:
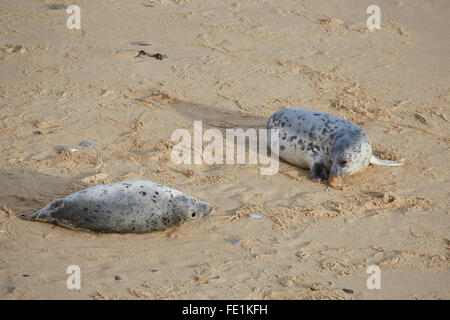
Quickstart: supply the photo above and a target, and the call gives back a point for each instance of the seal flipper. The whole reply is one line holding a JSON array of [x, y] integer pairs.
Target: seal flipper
[[381, 162], [44, 214], [31, 216], [318, 171]]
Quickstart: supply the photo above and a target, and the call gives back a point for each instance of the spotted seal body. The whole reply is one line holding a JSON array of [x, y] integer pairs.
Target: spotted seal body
[[327, 145], [137, 206]]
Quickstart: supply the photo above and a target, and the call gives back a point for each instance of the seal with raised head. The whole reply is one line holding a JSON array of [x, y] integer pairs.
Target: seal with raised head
[[327, 145], [136, 206]]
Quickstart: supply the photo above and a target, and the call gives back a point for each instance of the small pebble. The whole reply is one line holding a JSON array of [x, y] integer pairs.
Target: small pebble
[[38, 133], [336, 182], [141, 43], [190, 173], [349, 291], [85, 144], [25, 275], [117, 278], [314, 287], [235, 241], [255, 216]]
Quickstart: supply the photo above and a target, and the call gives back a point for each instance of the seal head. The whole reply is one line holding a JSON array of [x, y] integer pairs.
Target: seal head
[[350, 153], [190, 208]]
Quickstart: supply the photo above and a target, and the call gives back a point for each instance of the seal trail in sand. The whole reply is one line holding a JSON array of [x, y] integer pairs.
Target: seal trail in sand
[[136, 206], [327, 145]]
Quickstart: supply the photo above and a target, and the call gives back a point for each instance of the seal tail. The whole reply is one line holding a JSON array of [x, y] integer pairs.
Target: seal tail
[[381, 162]]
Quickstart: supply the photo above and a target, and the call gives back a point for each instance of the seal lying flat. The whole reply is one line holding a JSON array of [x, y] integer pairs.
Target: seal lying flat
[[137, 206], [323, 143]]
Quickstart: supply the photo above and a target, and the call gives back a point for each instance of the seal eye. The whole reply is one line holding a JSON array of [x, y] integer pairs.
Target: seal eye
[[342, 162], [193, 215]]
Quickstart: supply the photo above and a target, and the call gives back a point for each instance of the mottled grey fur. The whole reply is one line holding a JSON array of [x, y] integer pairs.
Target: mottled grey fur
[[321, 142], [137, 206]]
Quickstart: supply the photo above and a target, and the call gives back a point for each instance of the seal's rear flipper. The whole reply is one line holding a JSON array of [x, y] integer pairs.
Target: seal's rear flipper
[[44, 214], [38, 215], [381, 162], [30, 216]]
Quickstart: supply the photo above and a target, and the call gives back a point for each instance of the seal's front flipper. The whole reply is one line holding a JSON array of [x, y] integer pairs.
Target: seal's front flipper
[[318, 172], [381, 162]]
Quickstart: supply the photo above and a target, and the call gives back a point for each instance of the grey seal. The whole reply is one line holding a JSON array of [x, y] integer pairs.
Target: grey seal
[[137, 206], [327, 145]]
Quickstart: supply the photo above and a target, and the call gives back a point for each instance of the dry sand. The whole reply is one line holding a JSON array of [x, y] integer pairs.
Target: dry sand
[[230, 64]]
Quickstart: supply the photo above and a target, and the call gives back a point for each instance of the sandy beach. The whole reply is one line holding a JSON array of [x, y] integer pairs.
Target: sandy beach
[[229, 64]]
